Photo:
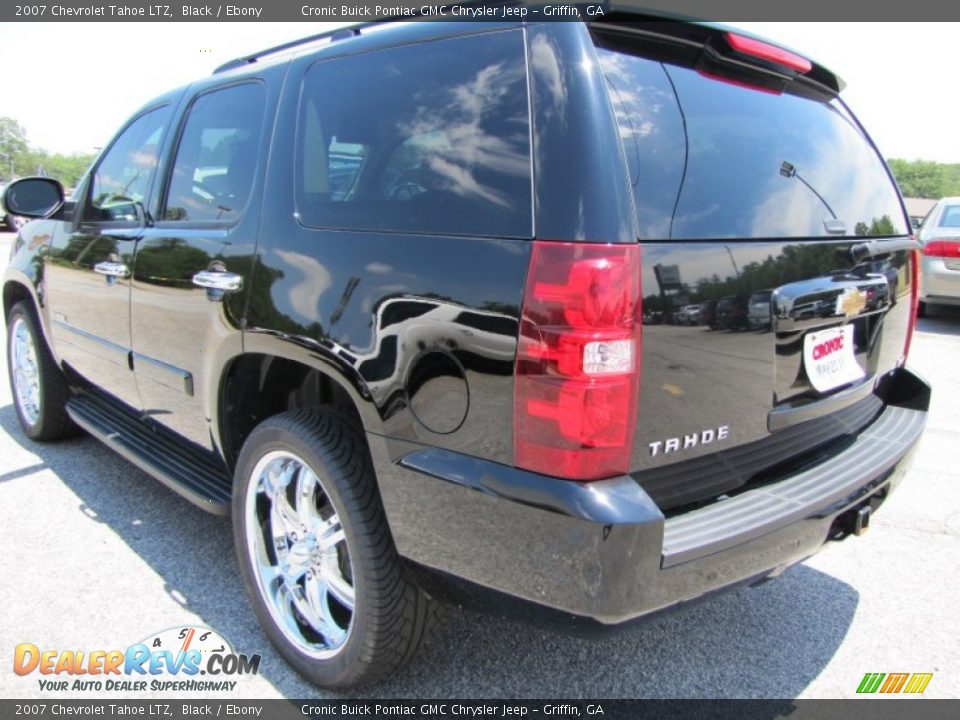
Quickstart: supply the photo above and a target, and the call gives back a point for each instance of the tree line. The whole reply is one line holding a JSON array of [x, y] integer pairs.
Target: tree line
[[19, 158], [925, 178]]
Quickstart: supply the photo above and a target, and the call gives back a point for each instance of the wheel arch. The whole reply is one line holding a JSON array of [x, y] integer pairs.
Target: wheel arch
[[15, 291], [280, 384]]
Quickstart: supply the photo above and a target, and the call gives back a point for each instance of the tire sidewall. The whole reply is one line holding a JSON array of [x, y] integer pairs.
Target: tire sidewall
[[341, 669]]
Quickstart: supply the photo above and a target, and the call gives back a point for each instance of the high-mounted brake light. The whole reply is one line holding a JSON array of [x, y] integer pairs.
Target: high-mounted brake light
[[942, 249], [771, 53], [577, 372]]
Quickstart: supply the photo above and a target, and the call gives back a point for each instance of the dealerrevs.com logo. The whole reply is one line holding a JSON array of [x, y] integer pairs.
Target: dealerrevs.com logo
[[173, 660]]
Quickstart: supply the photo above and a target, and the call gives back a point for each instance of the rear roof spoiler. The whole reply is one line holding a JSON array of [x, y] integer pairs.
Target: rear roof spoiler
[[693, 41]]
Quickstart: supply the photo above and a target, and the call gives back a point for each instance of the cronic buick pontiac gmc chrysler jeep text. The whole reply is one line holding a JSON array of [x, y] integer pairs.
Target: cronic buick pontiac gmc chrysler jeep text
[[378, 294]]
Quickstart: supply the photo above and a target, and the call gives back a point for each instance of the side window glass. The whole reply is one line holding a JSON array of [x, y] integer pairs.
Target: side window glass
[[122, 178], [651, 128], [216, 161], [950, 217], [441, 146]]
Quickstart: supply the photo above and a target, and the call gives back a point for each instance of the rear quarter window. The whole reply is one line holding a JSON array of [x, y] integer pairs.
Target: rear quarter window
[[651, 129], [427, 138]]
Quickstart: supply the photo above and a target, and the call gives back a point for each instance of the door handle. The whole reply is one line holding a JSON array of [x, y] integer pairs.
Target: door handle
[[222, 281], [112, 269]]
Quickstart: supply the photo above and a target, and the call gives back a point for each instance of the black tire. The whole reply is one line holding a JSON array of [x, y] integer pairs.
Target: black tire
[[392, 617], [50, 421], [921, 309]]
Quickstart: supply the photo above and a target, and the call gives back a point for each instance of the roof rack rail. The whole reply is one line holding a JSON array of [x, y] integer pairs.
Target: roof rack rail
[[332, 35]]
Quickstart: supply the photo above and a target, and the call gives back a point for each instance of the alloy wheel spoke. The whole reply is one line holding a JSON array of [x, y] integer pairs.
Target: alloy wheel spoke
[[337, 584], [329, 533], [306, 502], [283, 517], [317, 599], [291, 599]]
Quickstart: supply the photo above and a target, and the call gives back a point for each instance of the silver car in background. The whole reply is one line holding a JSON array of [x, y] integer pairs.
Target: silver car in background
[[940, 265]]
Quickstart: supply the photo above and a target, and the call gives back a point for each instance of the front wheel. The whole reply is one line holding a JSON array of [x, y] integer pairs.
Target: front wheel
[[40, 390], [316, 555]]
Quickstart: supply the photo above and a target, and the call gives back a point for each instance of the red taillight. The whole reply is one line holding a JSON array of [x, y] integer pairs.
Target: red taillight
[[914, 301], [771, 53], [578, 360], [942, 249]]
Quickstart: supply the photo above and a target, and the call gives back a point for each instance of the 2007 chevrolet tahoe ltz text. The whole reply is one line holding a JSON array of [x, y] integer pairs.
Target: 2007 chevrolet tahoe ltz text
[[382, 296]]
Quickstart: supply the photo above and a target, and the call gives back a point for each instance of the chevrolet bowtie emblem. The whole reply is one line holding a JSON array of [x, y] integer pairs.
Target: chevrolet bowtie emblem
[[851, 302]]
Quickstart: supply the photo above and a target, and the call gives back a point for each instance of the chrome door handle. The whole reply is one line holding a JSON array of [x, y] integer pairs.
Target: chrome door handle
[[222, 281], [112, 269]]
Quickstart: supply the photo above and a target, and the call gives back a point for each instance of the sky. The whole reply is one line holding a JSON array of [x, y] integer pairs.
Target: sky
[[72, 85]]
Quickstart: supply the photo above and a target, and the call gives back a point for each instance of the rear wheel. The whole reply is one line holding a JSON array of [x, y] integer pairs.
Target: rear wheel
[[40, 390], [316, 554]]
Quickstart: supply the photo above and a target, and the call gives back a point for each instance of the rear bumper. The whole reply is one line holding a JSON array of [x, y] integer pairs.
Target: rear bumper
[[603, 551]]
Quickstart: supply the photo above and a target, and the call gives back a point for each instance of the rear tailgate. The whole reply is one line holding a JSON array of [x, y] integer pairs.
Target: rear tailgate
[[751, 180]]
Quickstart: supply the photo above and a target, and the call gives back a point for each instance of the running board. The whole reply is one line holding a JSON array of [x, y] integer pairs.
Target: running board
[[196, 478]]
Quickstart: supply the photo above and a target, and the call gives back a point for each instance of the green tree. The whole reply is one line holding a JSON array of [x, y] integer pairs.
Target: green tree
[[925, 178], [28, 160], [13, 145]]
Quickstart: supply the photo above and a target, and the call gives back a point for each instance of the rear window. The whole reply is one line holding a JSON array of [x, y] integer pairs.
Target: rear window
[[950, 217], [427, 138], [739, 162]]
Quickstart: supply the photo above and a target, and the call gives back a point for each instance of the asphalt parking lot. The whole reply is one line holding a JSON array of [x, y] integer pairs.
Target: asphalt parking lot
[[97, 555]]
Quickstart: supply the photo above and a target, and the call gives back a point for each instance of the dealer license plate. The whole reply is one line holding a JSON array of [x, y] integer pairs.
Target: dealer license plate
[[828, 356]]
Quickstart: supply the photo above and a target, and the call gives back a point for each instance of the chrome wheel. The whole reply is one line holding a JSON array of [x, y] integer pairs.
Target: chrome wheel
[[25, 370], [299, 554]]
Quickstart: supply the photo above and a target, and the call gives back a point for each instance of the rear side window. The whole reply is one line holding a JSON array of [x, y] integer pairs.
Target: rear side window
[[742, 162], [427, 138], [217, 156], [651, 128]]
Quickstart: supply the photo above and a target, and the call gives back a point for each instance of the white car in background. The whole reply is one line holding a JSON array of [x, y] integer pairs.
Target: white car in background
[[688, 315], [940, 266]]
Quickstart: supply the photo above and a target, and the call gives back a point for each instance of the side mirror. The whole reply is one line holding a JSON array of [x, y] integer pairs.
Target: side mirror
[[33, 197]]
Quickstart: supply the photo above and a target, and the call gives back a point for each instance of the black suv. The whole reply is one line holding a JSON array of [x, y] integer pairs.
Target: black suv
[[378, 294]]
